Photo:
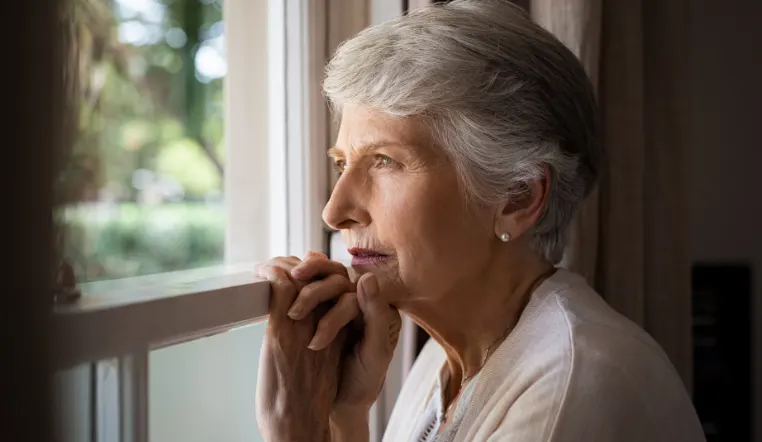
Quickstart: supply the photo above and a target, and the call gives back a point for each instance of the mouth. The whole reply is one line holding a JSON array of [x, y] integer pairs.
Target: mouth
[[366, 257]]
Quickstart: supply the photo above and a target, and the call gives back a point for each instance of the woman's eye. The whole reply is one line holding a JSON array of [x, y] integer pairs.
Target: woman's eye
[[340, 165], [384, 161]]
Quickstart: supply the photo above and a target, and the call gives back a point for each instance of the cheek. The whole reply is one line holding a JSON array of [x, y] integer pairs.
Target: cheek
[[414, 214], [433, 231]]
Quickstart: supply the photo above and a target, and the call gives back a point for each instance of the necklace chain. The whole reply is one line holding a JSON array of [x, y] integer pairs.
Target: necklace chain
[[487, 355], [490, 350]]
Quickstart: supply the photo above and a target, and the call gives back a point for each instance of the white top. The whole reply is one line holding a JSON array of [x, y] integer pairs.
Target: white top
[[572, 370], [427, 429]]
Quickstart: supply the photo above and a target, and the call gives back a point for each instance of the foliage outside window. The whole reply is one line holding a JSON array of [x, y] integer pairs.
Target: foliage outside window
[[142, 189]]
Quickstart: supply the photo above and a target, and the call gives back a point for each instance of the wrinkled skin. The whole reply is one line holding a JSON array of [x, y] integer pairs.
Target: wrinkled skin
[[302, 393], [295, 385]]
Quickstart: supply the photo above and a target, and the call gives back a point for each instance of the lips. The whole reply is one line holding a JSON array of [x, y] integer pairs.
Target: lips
[[365, 257]]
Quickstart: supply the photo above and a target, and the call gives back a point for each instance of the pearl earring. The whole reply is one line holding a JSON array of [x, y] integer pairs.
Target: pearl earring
[[505, 237]]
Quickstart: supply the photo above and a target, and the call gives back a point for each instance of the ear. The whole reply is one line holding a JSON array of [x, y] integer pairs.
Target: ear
[[520, 215]]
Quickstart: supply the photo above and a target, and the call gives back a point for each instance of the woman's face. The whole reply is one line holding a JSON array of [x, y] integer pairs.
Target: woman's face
[[401, 210]]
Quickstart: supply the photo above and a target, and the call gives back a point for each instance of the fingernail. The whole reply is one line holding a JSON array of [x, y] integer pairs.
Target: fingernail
[[295, 312], [315, 343]]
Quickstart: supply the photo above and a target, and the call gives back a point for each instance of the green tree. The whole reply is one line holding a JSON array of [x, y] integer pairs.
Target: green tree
[[150, 130], [143, 92]]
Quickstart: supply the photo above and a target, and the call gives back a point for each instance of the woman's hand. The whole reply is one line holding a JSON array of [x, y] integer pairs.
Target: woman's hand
[[372, 339], [296, 387], [373, 333]]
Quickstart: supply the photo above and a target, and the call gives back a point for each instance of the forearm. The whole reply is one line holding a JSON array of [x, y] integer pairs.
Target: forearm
[[350, 427]]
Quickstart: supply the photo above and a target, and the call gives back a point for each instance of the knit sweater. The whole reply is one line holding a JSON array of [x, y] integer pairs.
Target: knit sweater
[[572, 369]]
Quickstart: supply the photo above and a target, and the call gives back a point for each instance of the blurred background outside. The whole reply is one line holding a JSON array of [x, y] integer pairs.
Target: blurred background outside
[[143, 190]]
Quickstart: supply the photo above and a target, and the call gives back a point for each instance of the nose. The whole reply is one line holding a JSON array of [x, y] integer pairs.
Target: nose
[[347, 207]]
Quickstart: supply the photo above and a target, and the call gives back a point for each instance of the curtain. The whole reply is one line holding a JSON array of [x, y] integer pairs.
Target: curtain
[[627, 239]]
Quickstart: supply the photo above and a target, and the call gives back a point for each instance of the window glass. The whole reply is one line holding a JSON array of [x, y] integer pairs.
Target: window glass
[[204, 390], [143, 190]]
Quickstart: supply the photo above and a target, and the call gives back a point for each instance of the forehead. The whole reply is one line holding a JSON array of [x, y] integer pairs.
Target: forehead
[[362, 126]]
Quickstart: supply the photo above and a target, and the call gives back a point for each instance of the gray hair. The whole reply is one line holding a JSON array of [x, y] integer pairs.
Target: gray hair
[[503, 97]]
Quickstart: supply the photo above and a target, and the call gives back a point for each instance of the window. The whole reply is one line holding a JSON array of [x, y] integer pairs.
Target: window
[[203, 139], [144, 188]]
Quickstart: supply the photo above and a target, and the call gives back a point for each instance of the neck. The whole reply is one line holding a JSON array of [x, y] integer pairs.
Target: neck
[[470, 320]]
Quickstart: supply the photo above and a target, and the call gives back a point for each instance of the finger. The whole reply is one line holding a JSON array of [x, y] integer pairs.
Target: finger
[[286, 263], [312, 254], [382, 321], [283, 291], [318, 292], [345, 310], [316, 266]]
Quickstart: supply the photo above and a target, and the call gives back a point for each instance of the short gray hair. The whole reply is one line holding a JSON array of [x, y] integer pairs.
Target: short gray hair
[[503, 97]]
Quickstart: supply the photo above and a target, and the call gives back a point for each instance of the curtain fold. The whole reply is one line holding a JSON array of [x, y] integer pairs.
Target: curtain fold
[[627, 238], [577, 23]]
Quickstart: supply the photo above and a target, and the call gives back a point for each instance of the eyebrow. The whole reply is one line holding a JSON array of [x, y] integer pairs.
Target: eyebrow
[[338, 153]]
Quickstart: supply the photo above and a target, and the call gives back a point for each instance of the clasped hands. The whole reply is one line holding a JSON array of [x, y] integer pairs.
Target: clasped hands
[[328, 344]]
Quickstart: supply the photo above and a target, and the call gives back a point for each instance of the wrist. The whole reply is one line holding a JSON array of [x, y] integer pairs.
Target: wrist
[[350, 424], [291, 429], [350, 413]]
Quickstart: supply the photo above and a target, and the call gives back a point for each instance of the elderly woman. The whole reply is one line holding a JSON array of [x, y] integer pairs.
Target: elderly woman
[[468, 138]]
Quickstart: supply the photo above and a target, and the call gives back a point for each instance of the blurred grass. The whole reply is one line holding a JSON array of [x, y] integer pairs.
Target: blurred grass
[[109, 241]]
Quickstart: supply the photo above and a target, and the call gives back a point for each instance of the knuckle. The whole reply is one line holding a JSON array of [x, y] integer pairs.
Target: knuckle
[[335, 287], [335, 279], [337, 267], [316, 255], [277, 272], [349, 300], [282, 262], [278, 263], [307, 294], [313, 262], [280, 279], [300, 285]]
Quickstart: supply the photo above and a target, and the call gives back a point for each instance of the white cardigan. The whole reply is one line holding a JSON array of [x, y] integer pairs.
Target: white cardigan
[[573, 370]]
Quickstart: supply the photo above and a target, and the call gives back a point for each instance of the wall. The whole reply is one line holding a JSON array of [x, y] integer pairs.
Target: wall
[[723, 163]]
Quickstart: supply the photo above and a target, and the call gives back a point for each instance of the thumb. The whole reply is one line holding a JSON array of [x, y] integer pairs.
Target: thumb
[[382, 321]]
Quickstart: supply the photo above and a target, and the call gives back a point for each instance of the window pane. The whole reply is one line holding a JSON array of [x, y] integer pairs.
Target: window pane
[[143, 189], [72, 394], [204, 390]]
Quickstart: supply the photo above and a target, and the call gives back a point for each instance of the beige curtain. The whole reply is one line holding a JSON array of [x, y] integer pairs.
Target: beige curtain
[[628, 237]]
